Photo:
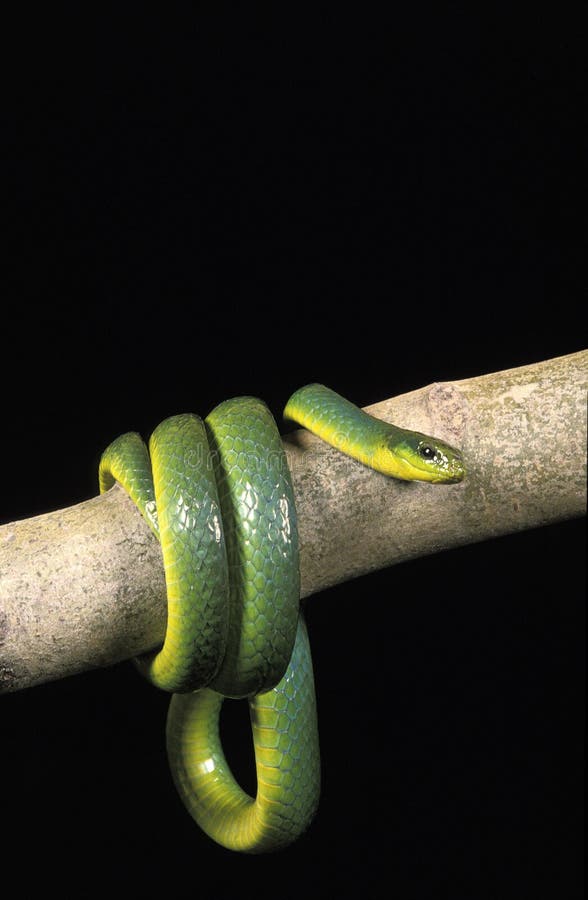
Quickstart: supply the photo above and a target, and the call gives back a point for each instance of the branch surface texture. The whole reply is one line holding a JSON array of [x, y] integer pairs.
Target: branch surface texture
[[83, 587]]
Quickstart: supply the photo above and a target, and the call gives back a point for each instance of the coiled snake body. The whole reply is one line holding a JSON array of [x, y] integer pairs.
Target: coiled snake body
[[218, 495]]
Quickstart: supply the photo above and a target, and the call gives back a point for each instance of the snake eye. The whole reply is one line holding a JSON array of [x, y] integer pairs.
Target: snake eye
[[427, 452]]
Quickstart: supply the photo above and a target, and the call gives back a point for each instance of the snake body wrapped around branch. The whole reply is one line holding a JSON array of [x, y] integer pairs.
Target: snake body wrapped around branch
[[218, 495]]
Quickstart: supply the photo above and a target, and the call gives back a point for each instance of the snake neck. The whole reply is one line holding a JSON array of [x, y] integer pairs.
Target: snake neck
[[338, 422]]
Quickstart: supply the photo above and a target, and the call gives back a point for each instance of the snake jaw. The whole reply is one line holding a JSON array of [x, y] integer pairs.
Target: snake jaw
[[446, 466]]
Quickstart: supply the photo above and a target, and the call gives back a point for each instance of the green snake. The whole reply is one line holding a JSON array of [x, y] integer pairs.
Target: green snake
[[218, 495]]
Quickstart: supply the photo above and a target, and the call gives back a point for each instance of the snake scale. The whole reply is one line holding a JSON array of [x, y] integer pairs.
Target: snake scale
[[218, 495]]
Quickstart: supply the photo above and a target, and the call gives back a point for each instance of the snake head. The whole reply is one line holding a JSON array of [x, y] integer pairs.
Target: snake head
[[412, 456]]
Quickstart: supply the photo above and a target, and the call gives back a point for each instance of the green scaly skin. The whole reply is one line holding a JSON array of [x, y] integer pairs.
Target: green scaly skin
[[219, 497], [285, 738], [397, 452]]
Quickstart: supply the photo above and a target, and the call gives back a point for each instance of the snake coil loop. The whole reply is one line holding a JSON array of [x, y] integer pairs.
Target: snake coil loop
[[218, 495]]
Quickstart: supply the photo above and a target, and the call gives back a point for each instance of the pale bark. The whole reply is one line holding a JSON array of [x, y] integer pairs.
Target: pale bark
[[83, 587]]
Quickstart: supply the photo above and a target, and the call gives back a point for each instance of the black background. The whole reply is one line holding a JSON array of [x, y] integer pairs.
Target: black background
[[216, 202]]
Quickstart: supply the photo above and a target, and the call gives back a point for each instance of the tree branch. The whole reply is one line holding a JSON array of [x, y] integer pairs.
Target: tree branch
[[83, 587]]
